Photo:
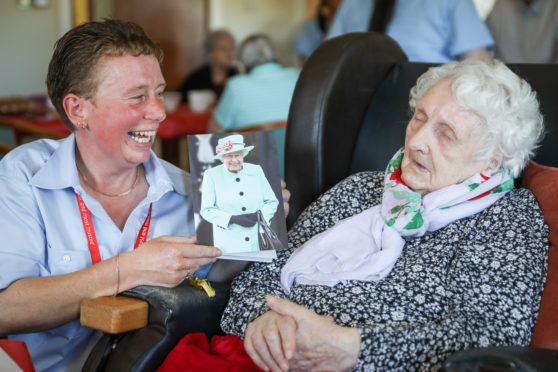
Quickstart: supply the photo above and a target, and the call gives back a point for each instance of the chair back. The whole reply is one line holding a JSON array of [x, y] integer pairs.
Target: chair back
[[329, 103], [349, 113]]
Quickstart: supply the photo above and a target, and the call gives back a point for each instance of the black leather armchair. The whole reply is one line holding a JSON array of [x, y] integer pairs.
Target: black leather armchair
[[348, 114]]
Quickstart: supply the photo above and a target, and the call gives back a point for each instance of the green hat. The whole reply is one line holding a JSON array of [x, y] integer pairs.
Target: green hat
[[230, 144]]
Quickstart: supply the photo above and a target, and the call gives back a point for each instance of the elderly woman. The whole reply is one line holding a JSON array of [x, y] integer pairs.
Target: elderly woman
[[233, 194], [262, 95], [96, 213], [219, 47], [396, 270]]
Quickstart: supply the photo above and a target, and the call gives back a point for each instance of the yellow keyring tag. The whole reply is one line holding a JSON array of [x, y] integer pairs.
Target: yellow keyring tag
[[201, 284]]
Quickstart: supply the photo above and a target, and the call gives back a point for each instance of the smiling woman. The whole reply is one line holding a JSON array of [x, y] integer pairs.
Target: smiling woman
[[123, 116], [96, 213]]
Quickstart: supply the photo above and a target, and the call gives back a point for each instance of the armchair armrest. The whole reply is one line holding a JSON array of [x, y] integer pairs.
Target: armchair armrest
[[114, 315], [513, 358], [173, 313]]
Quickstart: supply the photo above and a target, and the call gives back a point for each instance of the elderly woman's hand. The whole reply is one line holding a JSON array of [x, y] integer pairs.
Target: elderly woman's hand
[[164, 261], [293, 337], [270, 340]]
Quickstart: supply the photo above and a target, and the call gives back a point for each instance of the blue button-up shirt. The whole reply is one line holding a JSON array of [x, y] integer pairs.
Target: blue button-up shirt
[[427, 30], [43, 234], [309, 37]]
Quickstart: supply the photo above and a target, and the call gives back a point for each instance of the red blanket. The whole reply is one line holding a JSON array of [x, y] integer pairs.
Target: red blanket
[[194, 353]]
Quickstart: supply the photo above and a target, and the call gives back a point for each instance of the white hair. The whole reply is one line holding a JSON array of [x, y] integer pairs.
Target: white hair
[[256, 50], [506, 104]]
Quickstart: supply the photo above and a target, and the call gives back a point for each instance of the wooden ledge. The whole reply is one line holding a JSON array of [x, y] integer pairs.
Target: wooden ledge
[[114, 315], [4, 149], [266, 126]]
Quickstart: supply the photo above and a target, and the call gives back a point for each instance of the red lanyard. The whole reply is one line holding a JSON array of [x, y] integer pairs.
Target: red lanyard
[[90, 231]]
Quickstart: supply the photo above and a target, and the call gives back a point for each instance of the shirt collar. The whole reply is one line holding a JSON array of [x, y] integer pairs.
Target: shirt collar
[[60, 172], [163, 176]]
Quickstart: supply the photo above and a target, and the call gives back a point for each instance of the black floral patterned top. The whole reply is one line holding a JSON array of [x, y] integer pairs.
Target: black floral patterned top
[[476, 282]]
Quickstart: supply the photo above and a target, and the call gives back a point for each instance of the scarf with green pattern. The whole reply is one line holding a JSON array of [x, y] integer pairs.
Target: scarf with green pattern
[[366, 246]]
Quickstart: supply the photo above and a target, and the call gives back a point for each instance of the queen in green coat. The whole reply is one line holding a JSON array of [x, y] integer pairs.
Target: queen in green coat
[[232, 194]]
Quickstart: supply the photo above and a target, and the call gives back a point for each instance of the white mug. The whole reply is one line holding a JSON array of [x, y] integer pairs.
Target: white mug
[[172, 100], [201, 100]]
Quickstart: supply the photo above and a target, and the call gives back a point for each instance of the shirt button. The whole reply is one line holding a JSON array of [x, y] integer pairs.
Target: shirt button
[[66, 258], [247, 239], [241, 193], [238, 180], [243, 209]]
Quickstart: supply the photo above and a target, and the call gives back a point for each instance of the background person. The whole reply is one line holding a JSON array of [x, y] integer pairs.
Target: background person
[[232, 194], [525, 31], [102, 182], [427, 30], [314, 31], [220, 50], [439, 253], [261, 96]]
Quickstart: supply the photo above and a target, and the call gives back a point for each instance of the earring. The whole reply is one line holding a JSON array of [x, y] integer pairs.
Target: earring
[[82, 124]]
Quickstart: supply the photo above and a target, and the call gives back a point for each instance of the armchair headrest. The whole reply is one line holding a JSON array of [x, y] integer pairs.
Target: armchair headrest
[[329, 103]]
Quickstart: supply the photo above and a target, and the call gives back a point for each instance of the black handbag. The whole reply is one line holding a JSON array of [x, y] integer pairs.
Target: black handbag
[[267, 239]]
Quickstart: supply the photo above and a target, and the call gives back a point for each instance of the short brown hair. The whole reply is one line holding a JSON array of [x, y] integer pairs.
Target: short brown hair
[[72, 67]]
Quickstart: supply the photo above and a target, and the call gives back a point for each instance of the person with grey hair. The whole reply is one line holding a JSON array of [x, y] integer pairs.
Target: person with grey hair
[[213, 75], [440, 253], [256, 50], [261, 96], [233, 194]]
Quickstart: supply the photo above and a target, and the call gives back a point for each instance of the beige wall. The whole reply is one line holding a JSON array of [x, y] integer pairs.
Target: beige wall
[[29, 35], [102, 9], [26, 44], [484, 7], [280, 19]]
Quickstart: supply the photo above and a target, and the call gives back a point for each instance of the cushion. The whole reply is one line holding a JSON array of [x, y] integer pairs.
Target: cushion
[[195, 353], [543, 183]]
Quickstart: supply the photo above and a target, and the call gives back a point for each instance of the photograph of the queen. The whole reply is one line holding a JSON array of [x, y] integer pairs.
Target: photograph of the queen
[[233, 194]]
